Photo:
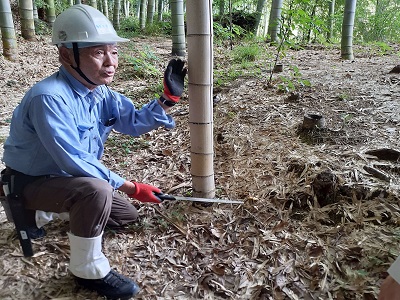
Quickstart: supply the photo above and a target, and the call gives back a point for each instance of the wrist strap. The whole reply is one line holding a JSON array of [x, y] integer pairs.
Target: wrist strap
[[167, 102]]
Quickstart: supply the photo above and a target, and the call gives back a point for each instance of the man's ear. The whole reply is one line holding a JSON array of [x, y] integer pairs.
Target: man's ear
[[66, 56]]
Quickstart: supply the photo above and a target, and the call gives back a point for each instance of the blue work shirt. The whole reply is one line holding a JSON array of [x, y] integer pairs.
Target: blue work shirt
[[60, 128]]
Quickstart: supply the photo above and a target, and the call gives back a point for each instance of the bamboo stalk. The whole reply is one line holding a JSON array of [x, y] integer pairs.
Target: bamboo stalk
[[26, 16], [200, 63], [8, 37], [178, 28], [347, 29]]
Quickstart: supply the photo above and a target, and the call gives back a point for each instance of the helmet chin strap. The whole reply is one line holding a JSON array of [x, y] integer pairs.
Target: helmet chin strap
[[77, 68]]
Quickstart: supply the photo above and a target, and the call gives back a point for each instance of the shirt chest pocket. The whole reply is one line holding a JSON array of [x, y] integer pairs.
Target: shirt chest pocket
[[85, 131]]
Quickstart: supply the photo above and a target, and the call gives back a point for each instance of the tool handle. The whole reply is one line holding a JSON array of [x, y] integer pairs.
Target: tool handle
[[163, 197]]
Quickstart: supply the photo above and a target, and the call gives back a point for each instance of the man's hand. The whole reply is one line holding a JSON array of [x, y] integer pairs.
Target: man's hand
[[174, 79], [145, 193], [390, 289]]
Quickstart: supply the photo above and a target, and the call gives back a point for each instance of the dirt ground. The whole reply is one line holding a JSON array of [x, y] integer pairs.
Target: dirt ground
[[290, 239]]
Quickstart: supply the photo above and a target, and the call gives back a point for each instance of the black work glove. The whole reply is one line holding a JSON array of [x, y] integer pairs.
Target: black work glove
[[174, 78]]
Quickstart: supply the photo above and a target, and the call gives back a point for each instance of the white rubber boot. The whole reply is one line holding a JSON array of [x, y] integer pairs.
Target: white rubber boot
[[43, 217], [86, 259]]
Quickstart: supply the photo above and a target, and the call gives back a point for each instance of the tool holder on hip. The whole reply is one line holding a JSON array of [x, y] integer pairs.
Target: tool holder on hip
[[13, 203]]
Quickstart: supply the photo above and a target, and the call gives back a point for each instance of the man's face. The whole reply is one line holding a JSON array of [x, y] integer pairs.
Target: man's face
[[99, 63]]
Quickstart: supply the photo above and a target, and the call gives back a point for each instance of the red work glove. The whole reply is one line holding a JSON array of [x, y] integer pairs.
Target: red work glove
[[174, 79], [145, 193]]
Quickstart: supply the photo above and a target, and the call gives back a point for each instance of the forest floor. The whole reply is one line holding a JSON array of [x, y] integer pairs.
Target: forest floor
[[290, 239]]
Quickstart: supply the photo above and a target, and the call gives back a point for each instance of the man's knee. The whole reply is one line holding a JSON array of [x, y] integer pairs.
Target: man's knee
[[122, 212], [99, 193], [98, 186]]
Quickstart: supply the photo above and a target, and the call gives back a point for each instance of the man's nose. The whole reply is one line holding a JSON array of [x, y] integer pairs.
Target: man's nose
[[110, 59]]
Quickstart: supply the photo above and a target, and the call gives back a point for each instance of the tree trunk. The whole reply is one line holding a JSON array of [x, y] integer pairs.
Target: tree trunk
[[77, 2], [8, 37], [308, 37], [93, 3], [230, 25], [36, 19], [200, 65], [142, 19], [150, 11], [274, 25], [378, 26], [347, 29], [265, 26], [27, 22], [259, 13], [117, 8], [35, 12], [178, 28], [331, 20], [100, 5], [221, 8], [50, 12], [137, 11], [105, 8], [160, 10], [126, 5]]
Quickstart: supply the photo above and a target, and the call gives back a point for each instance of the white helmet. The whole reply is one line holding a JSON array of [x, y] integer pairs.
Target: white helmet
[[83, 24]]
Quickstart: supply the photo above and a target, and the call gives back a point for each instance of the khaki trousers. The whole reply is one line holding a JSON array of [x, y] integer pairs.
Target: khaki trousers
[[91, 203]]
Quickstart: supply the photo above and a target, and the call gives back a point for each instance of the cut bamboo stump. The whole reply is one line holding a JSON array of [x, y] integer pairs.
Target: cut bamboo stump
[[325, 186], [278, 68], [313, 121]]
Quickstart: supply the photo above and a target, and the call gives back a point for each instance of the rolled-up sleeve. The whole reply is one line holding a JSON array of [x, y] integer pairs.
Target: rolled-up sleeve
[[139, 121]]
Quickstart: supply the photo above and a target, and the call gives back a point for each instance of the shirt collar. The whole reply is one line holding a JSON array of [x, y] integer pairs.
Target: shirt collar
[[76, 85]]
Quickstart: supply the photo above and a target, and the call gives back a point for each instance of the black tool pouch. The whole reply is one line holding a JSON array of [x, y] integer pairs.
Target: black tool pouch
[[13, 184]]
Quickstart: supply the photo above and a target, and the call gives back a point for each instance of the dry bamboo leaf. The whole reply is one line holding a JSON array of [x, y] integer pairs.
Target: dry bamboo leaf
[[377, 173], [177, 226], [290, 293]]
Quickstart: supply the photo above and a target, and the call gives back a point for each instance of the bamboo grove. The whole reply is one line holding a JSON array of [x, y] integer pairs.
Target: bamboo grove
[[303, 21]]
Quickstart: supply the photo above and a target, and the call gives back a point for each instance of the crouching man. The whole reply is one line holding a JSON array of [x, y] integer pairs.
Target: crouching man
[[57, 137]]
